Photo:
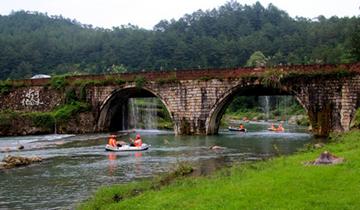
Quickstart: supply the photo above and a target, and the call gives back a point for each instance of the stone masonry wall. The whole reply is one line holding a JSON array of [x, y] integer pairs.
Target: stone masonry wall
[[331, 103], [32, 98]]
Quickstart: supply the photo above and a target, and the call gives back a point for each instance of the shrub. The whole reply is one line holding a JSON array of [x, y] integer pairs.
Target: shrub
[[119, 81], [66, 111], [5, 87], [41, 119], [70, 96], [58, 82], [272, 78], [5, 118], [140, 82]]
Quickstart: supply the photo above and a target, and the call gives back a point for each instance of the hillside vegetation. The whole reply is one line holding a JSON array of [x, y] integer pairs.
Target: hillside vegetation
[[32, 42]]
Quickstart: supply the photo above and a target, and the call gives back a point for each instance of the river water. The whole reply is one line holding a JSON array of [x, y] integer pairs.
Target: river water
[[76, 165]]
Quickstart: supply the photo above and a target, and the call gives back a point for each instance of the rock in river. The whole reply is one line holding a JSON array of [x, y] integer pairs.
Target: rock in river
[[17, 161]]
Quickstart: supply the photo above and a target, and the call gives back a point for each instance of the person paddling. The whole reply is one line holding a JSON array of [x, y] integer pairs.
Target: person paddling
[[137, 142]]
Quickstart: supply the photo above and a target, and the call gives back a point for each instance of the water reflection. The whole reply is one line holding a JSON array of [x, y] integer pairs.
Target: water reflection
[[138, 163], [77, 167], [112, 163]]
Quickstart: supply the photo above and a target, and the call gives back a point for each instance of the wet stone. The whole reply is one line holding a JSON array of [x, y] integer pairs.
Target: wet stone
[[17, 161]]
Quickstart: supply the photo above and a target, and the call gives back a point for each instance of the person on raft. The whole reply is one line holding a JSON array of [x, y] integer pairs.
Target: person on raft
[[241, 127], [280, 128], [272, 127], [113, 142], [137, 142]]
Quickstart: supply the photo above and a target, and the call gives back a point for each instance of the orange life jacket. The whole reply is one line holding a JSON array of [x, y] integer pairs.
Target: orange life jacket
[[112, 141], [138, 142]]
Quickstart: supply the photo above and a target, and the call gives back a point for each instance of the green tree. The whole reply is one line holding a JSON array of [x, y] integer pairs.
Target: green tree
[[256, 59], [355, 41], [117, 69], [33, 43]]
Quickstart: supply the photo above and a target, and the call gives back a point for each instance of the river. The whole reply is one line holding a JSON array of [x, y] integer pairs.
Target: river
[[76, 165]]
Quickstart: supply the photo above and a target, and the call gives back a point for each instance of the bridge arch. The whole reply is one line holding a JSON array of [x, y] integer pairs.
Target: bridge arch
[[113, 112], [219, 108]]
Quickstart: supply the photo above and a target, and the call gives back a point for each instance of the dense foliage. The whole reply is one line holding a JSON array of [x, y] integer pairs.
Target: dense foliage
[[32, 42]]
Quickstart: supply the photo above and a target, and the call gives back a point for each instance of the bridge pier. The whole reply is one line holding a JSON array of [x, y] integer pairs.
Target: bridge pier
[[185, 126], [321, 121], [331, 103]]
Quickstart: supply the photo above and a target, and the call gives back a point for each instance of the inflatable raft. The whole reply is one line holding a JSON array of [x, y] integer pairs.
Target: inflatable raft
[[125, 148], [237, 129], [275, 130]]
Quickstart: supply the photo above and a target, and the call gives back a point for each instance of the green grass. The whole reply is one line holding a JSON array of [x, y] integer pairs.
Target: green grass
[[280, 183], [107, 196]]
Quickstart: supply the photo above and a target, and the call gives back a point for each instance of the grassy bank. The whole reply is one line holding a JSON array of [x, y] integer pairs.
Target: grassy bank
[[280, 183]]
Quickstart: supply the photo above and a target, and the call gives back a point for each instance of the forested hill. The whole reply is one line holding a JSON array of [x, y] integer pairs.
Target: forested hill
[[33, 43]]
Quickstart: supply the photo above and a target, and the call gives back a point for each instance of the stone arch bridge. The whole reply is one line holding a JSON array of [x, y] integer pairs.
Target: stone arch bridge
[[197, 99]]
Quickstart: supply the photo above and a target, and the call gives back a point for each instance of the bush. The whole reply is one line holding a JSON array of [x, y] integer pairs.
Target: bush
[[140, 82], [119, 81], [5, 87], [58, 82], [5, 118], [70, 96], [66, 111], [42, 119], [37, 119], [272, 78]]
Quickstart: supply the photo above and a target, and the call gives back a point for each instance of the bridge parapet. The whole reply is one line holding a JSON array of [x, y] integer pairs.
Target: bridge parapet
[[196, 74]]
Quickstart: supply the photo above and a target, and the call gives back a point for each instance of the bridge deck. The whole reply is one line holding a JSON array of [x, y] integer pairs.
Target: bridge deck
[[192, 74]]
